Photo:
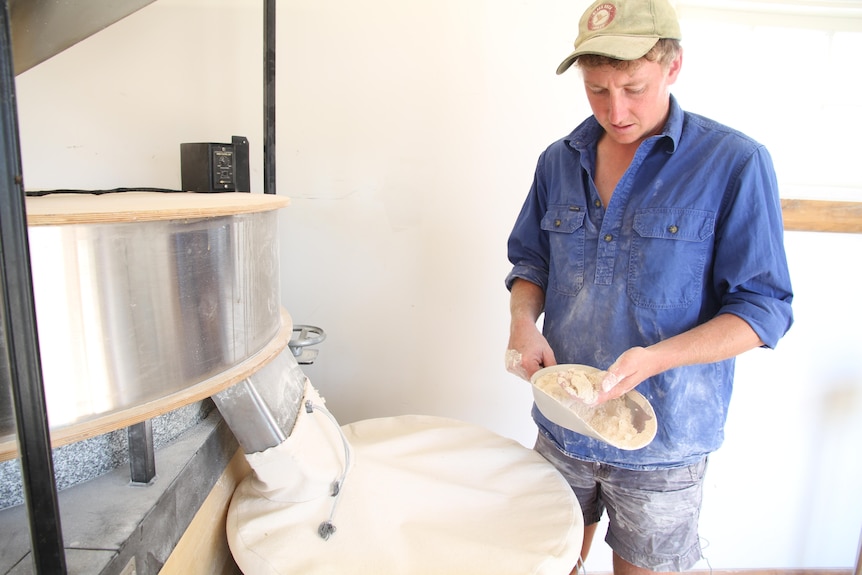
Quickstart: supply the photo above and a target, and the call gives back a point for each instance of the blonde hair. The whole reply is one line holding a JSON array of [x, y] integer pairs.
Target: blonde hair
[[664, 52]]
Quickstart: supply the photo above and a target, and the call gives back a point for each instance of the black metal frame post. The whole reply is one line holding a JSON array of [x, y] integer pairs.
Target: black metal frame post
[[19, 311], [142, 453], [269, 97]]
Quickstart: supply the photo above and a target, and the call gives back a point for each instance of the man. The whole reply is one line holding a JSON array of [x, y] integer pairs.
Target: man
[[652, 241]]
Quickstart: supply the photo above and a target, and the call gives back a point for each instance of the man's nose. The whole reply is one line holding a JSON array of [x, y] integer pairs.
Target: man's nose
[[617, 108]]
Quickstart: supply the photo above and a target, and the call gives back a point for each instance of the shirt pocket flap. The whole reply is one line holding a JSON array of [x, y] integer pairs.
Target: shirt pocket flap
[[674, 224], [563, 219]]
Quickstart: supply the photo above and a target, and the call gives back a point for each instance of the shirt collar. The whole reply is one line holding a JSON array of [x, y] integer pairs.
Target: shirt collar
[[588, 133]]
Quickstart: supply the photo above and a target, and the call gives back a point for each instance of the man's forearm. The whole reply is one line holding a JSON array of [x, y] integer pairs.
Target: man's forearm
[[721, 338], [526, 303], [528, 350]]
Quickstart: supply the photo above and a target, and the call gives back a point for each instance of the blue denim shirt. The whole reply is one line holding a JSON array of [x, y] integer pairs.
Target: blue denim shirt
[[693, 230]]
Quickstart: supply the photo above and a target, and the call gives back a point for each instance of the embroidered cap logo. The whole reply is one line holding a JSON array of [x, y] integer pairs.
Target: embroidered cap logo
[[602, 16]]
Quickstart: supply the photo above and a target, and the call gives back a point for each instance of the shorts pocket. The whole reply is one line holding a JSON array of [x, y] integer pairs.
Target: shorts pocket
[[566, 237], [670, 248]]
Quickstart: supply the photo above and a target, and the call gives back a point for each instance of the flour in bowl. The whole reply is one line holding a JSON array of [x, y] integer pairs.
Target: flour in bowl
[[576, 389]]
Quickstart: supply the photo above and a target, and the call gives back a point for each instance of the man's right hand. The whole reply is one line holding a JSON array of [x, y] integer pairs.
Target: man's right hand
[[528, 352]]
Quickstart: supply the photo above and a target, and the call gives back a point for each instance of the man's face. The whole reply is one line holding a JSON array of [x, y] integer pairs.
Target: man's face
[[631, 104]]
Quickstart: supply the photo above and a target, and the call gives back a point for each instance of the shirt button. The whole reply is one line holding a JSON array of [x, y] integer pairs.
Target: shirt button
[[609, 238], [672, 229], [598, 203], [558, 223]]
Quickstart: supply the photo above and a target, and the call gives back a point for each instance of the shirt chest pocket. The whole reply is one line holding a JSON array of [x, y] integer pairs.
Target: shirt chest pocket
[[566, 236], [670, 250]]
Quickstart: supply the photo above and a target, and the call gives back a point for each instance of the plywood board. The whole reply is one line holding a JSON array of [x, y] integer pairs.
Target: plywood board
[[124, 207]]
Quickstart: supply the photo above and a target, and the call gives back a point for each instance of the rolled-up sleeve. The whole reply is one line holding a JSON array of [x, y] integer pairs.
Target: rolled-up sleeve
[[528, 249], [750, 264]]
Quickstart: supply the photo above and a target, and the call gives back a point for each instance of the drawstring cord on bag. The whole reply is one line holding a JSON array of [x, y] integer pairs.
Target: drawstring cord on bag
[[327, 528]]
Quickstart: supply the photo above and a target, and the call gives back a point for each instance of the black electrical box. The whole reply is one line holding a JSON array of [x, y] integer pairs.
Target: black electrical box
[[209, 167]]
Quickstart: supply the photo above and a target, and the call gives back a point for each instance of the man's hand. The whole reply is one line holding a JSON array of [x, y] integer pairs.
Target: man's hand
[[629, 370], [528, 352]]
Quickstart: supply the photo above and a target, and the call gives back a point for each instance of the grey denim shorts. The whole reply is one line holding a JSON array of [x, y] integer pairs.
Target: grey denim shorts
[[653, 515]]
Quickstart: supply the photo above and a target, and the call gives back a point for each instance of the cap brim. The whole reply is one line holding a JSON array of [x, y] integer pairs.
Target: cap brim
[[617, 47]]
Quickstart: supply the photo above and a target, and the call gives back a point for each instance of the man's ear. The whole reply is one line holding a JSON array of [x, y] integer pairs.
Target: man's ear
[[674, 68]]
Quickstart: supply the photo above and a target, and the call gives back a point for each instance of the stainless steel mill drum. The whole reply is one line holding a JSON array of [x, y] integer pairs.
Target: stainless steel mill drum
[[142, 298]]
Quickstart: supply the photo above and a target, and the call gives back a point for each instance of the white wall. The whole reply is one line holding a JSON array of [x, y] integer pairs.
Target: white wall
[[407, 136]]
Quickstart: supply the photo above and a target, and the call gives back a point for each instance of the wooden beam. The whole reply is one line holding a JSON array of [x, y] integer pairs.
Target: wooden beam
[[822, 216]]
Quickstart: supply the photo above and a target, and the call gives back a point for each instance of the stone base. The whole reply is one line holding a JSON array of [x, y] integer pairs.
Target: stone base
[[111, 527]]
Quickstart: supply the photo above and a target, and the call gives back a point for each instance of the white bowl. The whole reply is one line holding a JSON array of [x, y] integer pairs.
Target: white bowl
[[576, 416]]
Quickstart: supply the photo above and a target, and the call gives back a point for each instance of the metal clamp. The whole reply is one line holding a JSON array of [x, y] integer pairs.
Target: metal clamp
[[308, 335]]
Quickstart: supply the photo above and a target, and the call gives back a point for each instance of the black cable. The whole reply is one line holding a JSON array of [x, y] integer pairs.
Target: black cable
[[37, 193]]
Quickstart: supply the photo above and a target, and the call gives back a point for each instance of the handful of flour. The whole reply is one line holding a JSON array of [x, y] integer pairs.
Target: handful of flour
[[583, 385]]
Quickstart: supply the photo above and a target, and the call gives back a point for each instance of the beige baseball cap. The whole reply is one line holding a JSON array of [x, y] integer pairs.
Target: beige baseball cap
[[623, 29]]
